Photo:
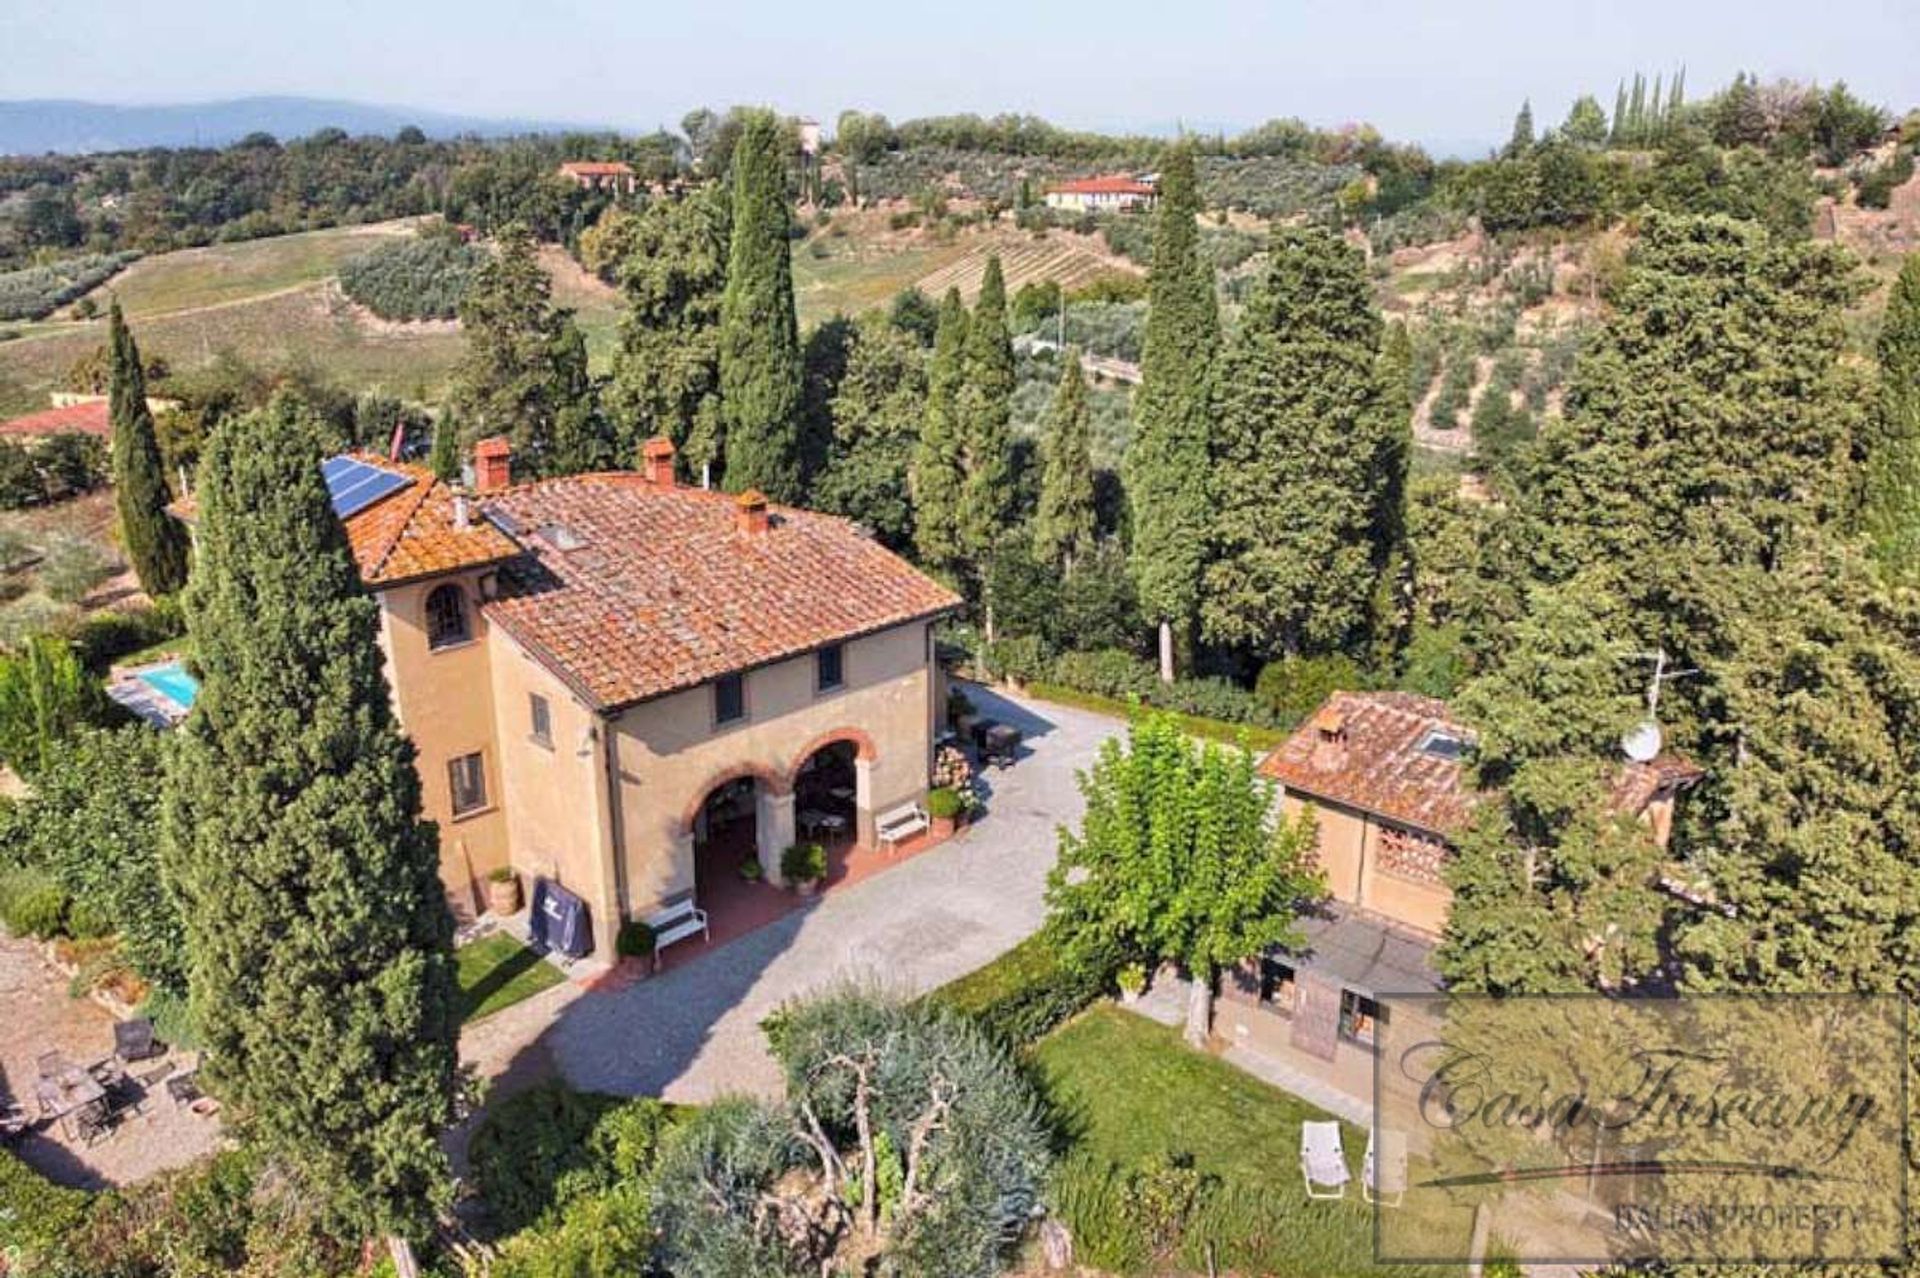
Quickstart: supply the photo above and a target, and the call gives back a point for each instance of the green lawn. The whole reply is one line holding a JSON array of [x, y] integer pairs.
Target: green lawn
[[497, 971], [1127, 1088]]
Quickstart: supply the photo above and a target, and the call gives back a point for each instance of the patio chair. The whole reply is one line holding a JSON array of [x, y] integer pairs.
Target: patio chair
[[93, 1121], [52, 1064], [1322, 1160], [134, 1041], [184, 1089], [1383, 1176]]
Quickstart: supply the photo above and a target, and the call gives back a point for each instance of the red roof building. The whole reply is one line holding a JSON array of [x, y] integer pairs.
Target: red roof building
[[88, 417], [600, 175], [1118, 192]]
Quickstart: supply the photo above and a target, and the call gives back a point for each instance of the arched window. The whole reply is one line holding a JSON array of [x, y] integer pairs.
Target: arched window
[[447, 617]]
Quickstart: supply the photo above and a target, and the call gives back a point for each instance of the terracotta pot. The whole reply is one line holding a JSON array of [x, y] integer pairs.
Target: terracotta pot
[[942, 827], [503, 896]]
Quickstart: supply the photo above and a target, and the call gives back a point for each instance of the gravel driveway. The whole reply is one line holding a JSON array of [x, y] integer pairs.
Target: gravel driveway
[[693, 1032]]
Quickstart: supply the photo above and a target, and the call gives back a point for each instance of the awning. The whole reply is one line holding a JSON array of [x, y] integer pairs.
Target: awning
[[1366, 953]]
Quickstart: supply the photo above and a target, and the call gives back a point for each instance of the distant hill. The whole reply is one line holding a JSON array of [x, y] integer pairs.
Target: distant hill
[[37, 126]]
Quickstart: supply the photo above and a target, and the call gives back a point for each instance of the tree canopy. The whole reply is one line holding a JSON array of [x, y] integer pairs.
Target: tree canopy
[[319, 942], [760, 368]]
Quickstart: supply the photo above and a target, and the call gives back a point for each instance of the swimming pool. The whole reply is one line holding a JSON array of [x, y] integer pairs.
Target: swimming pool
[[172, 682]]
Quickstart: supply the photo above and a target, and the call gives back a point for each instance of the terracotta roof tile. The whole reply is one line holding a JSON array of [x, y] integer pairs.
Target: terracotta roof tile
[[1114, 184], [1364, 750], [89, 417], [631, 590], [597, 168], [409, 533]]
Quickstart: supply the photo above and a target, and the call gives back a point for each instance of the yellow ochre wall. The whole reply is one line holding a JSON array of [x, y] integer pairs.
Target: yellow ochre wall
[[548, 812], [444, 702], [1348, 847], [671, 755]]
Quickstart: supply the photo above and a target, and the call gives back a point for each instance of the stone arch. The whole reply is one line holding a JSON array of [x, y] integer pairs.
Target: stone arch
[[776, 785], [863, 749]]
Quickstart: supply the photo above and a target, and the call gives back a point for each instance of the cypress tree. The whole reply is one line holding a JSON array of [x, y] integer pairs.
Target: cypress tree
[[156, 543], [1617, 124], [760, 368], [986, 417], [667, 370], [1892, 513], [318, 938], [1521, 139], [444, 460], [1063, 525], [1300, 435], [937, 472], [1166, 464]]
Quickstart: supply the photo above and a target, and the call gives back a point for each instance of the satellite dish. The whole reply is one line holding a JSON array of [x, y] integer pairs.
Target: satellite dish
[[1642, 744]]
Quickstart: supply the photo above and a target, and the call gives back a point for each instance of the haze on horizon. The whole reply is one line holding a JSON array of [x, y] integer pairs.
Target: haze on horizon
[[1448, 76]]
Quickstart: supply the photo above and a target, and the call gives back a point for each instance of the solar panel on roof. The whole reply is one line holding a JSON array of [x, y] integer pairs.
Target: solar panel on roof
[[354, 485]]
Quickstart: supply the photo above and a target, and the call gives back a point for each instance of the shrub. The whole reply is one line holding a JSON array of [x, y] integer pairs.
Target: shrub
[[1293, 687], [803, 863], [172, 1020], [549, 1144], [37, 1217], [73, 566], [414, 279], [944, 803], [1435, 662], [35, 292], [1876, 188], [32, 903], [1023, 994], [634, 940], [1020, 659], [105, 637]]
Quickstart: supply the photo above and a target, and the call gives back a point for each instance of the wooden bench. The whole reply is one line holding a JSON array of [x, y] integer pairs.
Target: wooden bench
[[676, 923], [903, 822]]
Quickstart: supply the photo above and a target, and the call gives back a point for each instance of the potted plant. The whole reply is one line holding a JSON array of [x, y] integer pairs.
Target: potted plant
[[943, 810], [503, 891], [634, 940], [803, 865], [1133, 982], [750, 869]]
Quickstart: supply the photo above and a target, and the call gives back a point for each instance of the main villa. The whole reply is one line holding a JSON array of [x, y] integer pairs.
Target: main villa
[[608, 676]]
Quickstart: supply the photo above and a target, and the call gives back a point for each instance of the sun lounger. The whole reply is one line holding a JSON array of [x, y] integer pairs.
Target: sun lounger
[[1323, 1162], [1383, 1176]]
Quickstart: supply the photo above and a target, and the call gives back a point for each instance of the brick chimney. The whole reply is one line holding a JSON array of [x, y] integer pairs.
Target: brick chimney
[[750, 511], [656, 461], [492, 464], [1330, 738]]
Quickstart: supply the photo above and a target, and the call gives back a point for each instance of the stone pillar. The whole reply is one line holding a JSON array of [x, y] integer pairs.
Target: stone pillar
[[773, 830], [863, 817]]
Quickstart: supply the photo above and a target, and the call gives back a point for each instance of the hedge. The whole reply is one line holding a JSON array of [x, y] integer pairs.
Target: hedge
[[1109, 680], [1022, 994]]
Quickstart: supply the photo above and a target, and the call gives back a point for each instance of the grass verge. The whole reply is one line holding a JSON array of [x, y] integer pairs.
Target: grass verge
[[496, 972], [1129, 1091]]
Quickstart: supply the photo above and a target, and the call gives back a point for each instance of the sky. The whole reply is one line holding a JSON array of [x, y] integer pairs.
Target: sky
[[1442, 72]]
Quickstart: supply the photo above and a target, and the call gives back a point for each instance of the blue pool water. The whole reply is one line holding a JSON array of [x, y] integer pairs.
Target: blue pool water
[[172, 682]]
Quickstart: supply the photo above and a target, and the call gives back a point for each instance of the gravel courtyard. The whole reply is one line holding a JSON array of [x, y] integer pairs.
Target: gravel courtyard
[[693, 1032]]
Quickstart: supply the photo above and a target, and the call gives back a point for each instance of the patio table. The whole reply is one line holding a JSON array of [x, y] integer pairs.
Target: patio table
[[814, 821], [62, 1094]]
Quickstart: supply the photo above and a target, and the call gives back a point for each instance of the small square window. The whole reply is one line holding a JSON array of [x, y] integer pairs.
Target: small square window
[[1276, 985], [541, 717], [1360, 1016], [729, 699], [829, 668], [467, 779]]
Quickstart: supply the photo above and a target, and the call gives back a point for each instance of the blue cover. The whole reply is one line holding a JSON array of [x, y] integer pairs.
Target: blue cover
[[558, 920]]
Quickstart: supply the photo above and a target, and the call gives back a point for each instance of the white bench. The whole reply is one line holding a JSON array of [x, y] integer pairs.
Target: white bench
[[900, 823], [676, 923]]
